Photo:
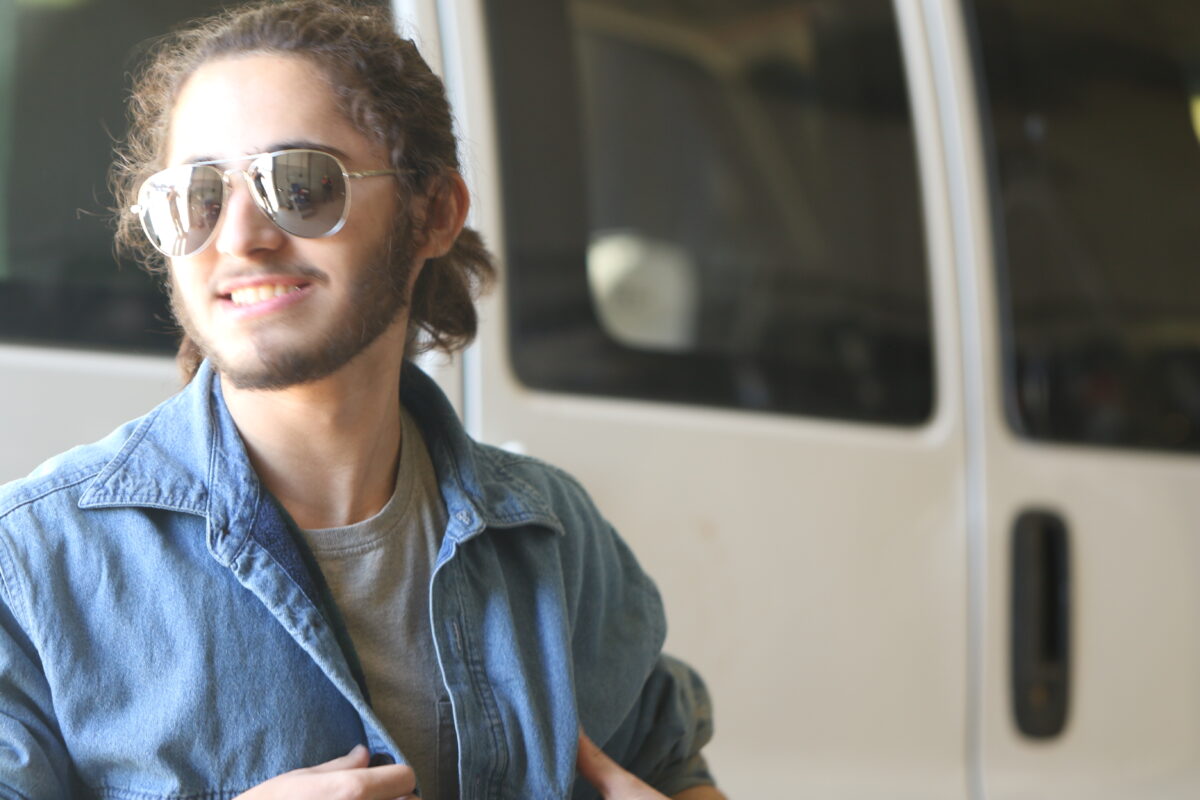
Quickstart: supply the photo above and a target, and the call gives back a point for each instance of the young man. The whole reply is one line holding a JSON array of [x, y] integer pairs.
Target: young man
[[302, 553]]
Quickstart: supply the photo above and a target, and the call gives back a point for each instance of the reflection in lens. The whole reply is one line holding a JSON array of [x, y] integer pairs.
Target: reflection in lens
[[180, 206], [303, 191]]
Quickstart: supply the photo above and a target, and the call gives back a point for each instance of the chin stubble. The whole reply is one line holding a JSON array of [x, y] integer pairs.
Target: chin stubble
[[375, 300]]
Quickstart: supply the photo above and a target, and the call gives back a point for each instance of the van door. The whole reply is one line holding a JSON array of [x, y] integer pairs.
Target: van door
[[724, 310], [1091, 651]]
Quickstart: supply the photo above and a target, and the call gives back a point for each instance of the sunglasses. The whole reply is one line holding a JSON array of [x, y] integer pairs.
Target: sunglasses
[[303, 192]]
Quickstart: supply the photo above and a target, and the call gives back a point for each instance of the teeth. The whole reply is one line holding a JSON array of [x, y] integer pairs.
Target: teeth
[[257, 294]]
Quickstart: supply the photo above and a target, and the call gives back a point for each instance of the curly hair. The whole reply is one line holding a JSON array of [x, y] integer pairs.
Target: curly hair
[[384, 87]]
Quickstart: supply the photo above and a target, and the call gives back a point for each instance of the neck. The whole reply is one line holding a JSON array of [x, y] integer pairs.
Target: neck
[[327, 450]]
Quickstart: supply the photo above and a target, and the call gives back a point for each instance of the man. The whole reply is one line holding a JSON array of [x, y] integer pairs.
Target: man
[[302, 553]]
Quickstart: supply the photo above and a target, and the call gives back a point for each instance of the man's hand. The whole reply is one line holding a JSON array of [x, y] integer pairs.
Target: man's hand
[[345, 778], [614, 783]]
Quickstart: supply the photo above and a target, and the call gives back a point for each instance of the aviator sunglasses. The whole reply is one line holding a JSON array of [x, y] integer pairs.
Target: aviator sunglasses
[[303, 192]]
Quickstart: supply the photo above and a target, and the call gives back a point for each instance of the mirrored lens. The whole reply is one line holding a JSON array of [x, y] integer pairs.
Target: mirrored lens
[[302, 191], [180, 207]]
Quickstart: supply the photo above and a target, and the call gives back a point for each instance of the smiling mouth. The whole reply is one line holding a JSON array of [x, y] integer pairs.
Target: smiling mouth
[[257, 294]]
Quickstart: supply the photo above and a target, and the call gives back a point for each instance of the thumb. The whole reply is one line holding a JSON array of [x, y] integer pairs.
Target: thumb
[[609, 778], [355, 759]]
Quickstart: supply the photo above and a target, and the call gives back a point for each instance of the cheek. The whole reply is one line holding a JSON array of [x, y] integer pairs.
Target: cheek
[[372, 208], [185, 282]]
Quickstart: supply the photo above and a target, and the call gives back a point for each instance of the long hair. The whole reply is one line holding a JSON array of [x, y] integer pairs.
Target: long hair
[[384, 87]]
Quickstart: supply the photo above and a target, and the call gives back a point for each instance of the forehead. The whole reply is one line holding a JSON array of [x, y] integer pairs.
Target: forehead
[[235, 106]]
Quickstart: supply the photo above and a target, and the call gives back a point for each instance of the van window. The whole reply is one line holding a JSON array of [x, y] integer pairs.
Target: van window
[[1094, 116], [61, 87], [64, 68], [713, 202]]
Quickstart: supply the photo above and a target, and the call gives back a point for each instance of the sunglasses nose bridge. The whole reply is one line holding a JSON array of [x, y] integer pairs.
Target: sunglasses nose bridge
[[243, 228], [227, 178], [250, 179]]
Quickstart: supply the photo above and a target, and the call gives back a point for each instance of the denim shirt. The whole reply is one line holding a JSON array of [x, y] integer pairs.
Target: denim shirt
[[162, 636]]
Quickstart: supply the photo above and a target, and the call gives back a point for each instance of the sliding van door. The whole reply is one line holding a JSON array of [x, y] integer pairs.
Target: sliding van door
[[718, 311], [1091, 652]]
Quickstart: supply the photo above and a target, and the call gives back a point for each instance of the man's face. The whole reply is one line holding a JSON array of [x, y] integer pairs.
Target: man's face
[[323, 301]]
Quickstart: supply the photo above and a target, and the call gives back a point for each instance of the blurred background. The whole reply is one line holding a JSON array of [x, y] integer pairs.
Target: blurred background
[[874, 326]]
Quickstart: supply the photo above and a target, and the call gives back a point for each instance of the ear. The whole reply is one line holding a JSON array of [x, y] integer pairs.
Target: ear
[[445, 214]]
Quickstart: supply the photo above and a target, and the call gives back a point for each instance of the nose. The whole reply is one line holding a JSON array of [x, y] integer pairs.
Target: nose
[[243, 229]]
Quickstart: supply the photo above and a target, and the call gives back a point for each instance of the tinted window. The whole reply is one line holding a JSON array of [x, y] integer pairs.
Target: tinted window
[[713, 202], [1092, 108]]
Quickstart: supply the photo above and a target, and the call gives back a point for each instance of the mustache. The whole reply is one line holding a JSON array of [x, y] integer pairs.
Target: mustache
[[289, 269]]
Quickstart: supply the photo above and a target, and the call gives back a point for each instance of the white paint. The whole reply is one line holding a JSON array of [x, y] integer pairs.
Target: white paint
[[54, 399]]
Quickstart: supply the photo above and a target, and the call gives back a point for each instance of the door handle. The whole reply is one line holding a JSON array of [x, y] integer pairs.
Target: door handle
[[1041, 623]]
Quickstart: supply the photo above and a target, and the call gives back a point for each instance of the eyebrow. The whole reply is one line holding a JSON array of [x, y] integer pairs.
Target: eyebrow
[[294, 144]]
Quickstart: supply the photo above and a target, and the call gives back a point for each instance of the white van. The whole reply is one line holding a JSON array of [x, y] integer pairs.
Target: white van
[[874, 327]]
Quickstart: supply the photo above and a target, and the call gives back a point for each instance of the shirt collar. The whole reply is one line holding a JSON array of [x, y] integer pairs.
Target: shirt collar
[[186, 455], [477, 482]]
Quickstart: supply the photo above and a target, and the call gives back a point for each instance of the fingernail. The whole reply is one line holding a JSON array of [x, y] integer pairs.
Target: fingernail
[[358, 749]]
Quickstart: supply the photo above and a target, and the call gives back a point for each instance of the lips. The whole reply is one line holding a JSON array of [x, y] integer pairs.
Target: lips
[[253, 296]]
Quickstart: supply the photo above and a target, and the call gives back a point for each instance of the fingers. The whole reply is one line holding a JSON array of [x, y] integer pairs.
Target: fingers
[[360, 783], [345, 778], [349, 776], [384, 783], [605, 774], [357, 758]]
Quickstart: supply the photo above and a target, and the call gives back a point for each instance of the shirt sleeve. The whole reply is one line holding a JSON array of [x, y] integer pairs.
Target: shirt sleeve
[[661, 739], [649, 711], [33, 759]]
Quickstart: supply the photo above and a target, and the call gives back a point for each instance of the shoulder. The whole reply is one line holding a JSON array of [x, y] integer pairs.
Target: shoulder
[[160, 459], [520, 490], [538, 483], [41, 519], [597, 563], [64, 476]]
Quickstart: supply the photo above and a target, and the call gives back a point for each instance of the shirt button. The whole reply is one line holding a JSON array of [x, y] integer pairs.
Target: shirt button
[[380, 760], [465, 517]]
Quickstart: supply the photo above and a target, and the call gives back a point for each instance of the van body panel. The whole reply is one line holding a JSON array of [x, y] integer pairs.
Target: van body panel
[[1133, 649], [55, 399]]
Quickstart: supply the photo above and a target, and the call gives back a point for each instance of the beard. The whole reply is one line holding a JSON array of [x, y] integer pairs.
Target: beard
[[375, 301]]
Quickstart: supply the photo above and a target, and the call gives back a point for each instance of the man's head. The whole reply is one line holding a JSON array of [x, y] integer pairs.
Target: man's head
[[333, 78]]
